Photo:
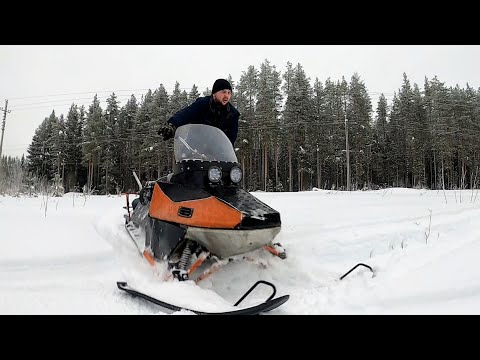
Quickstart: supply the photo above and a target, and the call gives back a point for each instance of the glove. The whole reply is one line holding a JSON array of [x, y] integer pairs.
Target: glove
[[167, 132]]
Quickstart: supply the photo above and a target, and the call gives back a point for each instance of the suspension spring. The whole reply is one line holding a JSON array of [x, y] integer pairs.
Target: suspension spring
[[185, 258]]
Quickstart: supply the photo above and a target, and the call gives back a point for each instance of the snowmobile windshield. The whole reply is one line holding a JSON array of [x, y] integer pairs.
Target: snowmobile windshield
[[202, 142]]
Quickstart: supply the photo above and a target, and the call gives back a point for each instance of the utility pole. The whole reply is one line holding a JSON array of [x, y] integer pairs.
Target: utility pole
[[3, 125], [346, 146]]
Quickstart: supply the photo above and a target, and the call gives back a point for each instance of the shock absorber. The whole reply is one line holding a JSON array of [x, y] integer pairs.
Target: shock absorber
[[181, 272], [185, 258]]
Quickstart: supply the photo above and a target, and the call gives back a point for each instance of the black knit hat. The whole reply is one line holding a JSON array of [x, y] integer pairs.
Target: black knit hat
[[221, 84]]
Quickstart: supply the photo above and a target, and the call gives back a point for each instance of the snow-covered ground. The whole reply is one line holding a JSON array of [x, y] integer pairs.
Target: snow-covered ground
[[65, 255]]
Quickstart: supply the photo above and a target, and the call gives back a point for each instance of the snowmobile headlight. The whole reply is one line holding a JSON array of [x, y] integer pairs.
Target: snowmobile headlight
[[236, 174], [214, 174]]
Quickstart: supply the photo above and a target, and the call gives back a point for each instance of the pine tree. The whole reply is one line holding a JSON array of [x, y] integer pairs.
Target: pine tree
[[111, 158], [126, 129], [247, 140], [379, 148], [193, 94], [359, 122], [92, 145], [161, 148], [73, 150]]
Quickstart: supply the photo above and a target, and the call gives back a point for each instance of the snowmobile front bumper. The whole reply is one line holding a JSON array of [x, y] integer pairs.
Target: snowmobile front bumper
[[226, 243]]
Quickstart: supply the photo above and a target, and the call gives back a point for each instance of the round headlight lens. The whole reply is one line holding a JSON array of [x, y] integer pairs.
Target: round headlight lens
[[214, 174], [236, 174]]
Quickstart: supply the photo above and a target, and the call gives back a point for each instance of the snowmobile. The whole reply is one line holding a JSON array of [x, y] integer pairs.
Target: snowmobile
[[199, 217]]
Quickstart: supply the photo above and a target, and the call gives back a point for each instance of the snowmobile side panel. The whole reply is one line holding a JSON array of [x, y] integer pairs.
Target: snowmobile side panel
[[254, 310], [162, 237], [139, 215], [207, 212]]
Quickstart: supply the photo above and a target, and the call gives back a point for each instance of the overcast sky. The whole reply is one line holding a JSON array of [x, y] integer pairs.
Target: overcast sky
[[37, 79]]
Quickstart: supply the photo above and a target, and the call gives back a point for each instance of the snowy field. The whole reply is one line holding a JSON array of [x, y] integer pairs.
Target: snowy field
[[65, 255]]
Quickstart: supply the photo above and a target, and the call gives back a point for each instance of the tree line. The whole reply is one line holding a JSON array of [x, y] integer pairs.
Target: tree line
[[292, 136]]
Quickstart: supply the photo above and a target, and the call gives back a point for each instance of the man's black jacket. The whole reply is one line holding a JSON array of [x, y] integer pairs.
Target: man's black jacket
[[205, 111]]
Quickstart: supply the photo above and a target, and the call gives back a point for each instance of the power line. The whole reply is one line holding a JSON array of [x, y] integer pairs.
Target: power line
[[66, 102], [26, 106], [97, 92]]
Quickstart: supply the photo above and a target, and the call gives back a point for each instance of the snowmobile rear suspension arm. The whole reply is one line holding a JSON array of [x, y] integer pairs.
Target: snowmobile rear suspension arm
[[253, 287]]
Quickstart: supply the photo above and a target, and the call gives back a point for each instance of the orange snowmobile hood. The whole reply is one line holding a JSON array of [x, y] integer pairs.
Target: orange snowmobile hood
[[204, 211]]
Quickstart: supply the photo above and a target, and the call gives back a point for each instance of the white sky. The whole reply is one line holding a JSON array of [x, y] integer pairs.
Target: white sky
[[68, 258], [30, 75]]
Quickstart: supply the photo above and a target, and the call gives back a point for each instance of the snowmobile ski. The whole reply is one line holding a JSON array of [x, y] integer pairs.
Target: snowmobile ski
[[266, 306]]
